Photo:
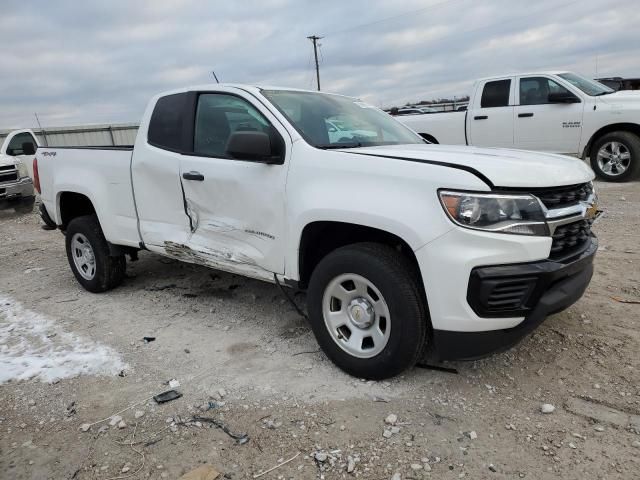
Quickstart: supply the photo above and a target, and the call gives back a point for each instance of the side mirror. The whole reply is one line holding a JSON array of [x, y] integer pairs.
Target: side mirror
[[28, 148], [253, 146], [562, 97]]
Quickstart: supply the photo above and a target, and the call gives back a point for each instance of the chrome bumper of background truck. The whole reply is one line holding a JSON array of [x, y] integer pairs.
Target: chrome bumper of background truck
[[14, 192]]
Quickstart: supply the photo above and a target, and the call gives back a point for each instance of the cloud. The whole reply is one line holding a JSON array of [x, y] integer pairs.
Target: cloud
[[96, 62]]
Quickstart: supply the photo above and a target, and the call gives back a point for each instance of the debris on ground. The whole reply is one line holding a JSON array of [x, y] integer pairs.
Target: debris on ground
[[203, 472], [115, 420], [547, 408], [258, 475], [240, 438], [148, 339], [623, 300], [167, 396]]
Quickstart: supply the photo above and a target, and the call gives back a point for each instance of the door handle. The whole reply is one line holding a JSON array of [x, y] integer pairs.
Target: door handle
[[480, 117], [522, 115], [197, 176]]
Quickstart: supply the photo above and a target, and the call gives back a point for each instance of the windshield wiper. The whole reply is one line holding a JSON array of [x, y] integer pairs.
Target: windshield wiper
[[333, 146], [602, 93]]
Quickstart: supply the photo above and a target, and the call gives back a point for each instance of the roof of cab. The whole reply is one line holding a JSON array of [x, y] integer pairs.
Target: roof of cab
[[241, 86], [520, 74]]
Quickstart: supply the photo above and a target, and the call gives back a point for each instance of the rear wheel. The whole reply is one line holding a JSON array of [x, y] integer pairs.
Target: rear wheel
[[88, 255], [615, 157], [366, 310]]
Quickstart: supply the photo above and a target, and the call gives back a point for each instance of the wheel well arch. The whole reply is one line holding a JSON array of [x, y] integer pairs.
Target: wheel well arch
[[320, 238], [613, 127], [429, 138], [72, 205]]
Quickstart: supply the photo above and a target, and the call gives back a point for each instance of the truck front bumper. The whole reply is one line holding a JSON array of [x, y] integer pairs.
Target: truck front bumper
[[534, 289], [20, 191]]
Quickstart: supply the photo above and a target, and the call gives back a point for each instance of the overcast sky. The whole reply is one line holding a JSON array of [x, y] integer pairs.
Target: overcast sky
[[76, 62]]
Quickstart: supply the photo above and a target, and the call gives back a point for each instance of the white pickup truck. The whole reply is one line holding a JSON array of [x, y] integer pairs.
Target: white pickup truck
[[16, 157], [559, 112], [403, 247]]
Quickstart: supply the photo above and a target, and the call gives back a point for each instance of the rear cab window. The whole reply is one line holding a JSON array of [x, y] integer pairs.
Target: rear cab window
[[166, 126], [496, 93]]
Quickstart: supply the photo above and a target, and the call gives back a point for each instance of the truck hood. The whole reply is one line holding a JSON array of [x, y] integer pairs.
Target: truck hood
[[502, 167], [7, 160], [621, 96]]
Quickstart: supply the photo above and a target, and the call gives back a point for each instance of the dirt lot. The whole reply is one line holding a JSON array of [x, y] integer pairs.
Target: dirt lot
[[243, 356]]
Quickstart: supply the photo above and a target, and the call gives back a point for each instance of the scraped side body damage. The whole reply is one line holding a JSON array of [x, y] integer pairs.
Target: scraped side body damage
[[220, 259]]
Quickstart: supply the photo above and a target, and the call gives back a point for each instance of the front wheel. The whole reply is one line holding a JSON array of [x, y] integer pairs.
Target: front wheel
[[88, 255], [615, 157], [366, 310]]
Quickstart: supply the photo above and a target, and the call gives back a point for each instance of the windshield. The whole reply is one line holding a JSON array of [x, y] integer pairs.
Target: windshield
[[588, 86], [333, 121]]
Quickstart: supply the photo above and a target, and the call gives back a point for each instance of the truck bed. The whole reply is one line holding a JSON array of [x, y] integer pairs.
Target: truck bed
[[105, 178], [447, 128]]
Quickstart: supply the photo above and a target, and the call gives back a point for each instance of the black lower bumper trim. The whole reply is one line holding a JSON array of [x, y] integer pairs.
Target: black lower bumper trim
[[564, 285]]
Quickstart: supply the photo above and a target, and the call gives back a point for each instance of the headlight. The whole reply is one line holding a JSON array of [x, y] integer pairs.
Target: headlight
[[22, 169], [516, 214]]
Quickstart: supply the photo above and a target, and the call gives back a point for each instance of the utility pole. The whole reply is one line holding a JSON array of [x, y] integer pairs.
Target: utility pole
[[314, 39]]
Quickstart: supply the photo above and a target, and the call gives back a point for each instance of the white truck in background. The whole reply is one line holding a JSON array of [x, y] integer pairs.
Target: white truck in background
[[403, 247], [16, 163], [557, 112]]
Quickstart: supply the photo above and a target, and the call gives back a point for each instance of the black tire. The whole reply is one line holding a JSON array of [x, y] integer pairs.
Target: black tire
[[396, 279], [25, 206], [109, 270], [631, 143]]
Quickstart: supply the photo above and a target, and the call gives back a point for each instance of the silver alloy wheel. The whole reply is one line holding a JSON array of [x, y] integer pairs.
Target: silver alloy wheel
[[614, 158], [356, 315], [83, 256]]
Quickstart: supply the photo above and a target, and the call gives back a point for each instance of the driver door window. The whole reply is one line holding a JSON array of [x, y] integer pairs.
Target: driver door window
[[218, 116], [536, 90]]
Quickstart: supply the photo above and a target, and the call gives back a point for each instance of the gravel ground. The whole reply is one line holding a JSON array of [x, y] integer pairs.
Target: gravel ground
[[243, 357]]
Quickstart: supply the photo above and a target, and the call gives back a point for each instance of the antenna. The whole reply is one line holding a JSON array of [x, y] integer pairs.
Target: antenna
[[215, 76], [44, 134]]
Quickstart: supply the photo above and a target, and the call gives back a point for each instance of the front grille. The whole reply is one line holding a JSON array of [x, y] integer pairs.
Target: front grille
[[509, 295], [7, 167], [564, 196], [8, 177], [570, 239]]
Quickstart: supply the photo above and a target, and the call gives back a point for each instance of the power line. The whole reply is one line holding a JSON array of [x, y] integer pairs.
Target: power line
[[375, 22]]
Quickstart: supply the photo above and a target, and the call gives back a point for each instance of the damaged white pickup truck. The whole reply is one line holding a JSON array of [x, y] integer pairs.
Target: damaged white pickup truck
[[404, 248]]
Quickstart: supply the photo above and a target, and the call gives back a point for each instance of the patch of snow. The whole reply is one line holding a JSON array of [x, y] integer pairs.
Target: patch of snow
[[32, 345]]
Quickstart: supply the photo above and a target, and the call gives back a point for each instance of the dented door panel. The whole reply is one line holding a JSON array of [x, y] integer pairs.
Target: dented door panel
[[236, 216]]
